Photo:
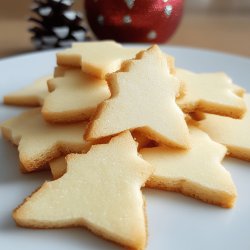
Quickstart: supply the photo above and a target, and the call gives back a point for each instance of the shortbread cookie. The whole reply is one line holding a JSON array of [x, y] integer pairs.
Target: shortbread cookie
[[196, 172], [32, 95], [143, 97], [73, 97], [233, 133], [100, 191], [39, 142], [96, 58], [211, 93], [58, 166]]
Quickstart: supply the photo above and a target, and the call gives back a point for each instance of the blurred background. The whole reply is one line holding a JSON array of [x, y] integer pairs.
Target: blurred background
[[222, 25]]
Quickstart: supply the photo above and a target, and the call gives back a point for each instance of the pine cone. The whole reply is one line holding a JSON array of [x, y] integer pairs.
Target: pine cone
[[56, 24]]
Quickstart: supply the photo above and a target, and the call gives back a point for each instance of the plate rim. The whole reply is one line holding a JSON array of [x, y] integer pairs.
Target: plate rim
[[181, 47]]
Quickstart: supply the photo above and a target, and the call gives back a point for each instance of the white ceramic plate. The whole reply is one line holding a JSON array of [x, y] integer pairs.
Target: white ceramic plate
[[175, 222]]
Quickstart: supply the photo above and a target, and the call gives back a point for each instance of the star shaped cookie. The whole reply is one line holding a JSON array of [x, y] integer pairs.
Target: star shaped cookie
[[58, 166], [211, 93], [143, 97], [96, 58], [196, 172], [100, 191], [40, 142], [233, 133], [74, 96], [31, 95]]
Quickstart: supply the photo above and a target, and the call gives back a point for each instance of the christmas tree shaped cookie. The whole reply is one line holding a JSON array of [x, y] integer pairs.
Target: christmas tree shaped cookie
[[196, 172], [40, 142], [233, 133], [211, 93], [96, 58], [32, 95], [74, 96], [143, 96], [100, 191], [58, 166]]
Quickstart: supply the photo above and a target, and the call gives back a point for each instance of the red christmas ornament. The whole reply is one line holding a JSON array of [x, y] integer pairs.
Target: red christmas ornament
[[134, 20]]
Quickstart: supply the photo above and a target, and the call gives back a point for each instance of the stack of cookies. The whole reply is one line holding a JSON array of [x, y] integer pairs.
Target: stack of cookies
[[112, 120]]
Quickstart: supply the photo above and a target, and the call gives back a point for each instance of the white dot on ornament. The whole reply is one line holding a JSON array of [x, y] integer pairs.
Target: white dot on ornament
[[100, 19], [151, 35], [168, 10], [130, 3], [164, 1], [127, 19]]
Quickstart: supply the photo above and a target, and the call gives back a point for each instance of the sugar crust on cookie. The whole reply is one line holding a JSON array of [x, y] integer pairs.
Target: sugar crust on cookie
[[100, 191], [233, 133], [31, 95], [96, 58], [211, 93], [74, 96], [143, 96], [196, 172], [40, 142]]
